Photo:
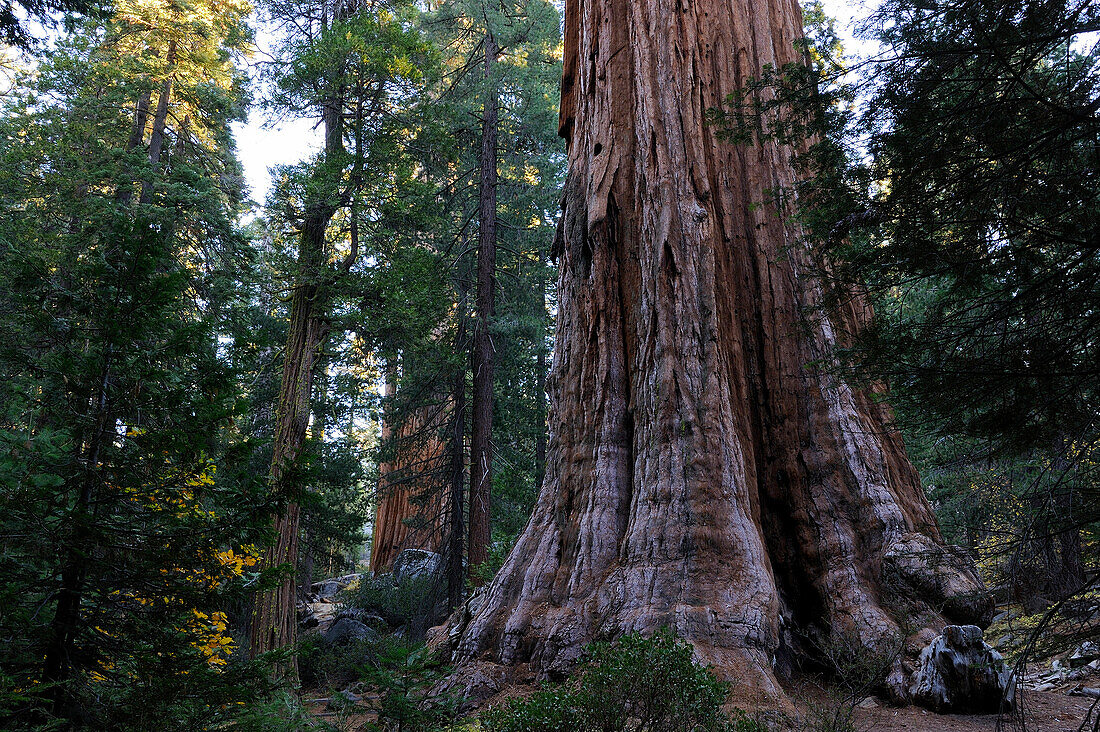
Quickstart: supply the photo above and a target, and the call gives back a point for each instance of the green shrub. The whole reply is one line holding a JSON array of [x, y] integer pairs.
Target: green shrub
[[394, 675], [323, 665], [551, 709], [411, 602], [281, 712], [635, 684], [402, 675]]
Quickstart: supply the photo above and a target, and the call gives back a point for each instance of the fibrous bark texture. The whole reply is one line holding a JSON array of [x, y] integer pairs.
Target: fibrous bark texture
[[274, 622], [701, 474], [413, 486], [482, 354]]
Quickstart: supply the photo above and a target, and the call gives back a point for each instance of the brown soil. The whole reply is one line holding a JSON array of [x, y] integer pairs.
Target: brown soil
[[1046, 711]]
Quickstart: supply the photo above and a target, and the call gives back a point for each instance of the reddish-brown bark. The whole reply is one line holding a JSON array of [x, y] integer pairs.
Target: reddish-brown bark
[[456, 571], [701, 474], [482, 354], [413, 486]]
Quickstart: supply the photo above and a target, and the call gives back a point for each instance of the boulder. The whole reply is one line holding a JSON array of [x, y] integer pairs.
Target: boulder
[[1084, 654], [329, 588], [343, 700], [415, 564], [326, 589], [346, 630], [959, 672], [362, 615]]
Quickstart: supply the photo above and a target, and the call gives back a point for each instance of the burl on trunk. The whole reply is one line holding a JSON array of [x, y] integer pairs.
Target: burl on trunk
[[702, 474]]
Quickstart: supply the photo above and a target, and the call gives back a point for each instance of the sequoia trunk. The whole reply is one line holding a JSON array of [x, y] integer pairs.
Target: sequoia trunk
[[456, 575], [413, 483], [701, 473]]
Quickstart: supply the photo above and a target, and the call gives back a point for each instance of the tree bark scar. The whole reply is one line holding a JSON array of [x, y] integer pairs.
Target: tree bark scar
[[569, 70]]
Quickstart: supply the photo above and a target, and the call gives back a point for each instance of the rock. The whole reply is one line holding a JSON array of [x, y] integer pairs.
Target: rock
[[329, 588], [350, 695], [346, 630], [415, 564], [366, 617], [867, 703], [1003, 615], [342, 700], [959, 672], [326, 589], [480, 680], [1083, 654]]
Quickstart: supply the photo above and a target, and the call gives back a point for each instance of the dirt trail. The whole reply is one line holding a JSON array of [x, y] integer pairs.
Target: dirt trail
[[1047, 712]]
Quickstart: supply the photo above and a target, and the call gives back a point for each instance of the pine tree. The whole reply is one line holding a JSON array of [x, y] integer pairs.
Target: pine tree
[[127, 526], [353, 67]]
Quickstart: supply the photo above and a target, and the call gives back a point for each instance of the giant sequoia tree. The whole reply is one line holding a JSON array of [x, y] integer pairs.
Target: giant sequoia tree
[[701, 473]]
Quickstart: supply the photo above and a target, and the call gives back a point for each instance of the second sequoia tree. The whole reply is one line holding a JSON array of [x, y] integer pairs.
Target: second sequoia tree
[[701, 474]]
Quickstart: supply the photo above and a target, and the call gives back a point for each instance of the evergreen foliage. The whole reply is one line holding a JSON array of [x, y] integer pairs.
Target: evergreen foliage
[[148, 312], [130, 520], [634, 684]]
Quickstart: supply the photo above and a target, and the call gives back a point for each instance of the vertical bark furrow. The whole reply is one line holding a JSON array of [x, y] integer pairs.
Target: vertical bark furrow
[[414, 503], [699, 473]]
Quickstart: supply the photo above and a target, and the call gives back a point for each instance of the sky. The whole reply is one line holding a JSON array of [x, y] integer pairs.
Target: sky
[[262, 144]]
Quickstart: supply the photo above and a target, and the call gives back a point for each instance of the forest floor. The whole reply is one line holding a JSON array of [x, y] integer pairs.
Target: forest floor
[[1046, 711], [1048, 705]]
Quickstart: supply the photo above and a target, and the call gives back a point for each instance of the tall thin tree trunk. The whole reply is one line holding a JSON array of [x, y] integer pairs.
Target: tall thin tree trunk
[[58, 663], [274, 621], [125, 192], [456, 576], [160, 123], [701, 473], [1070, 576], [481, 457]]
